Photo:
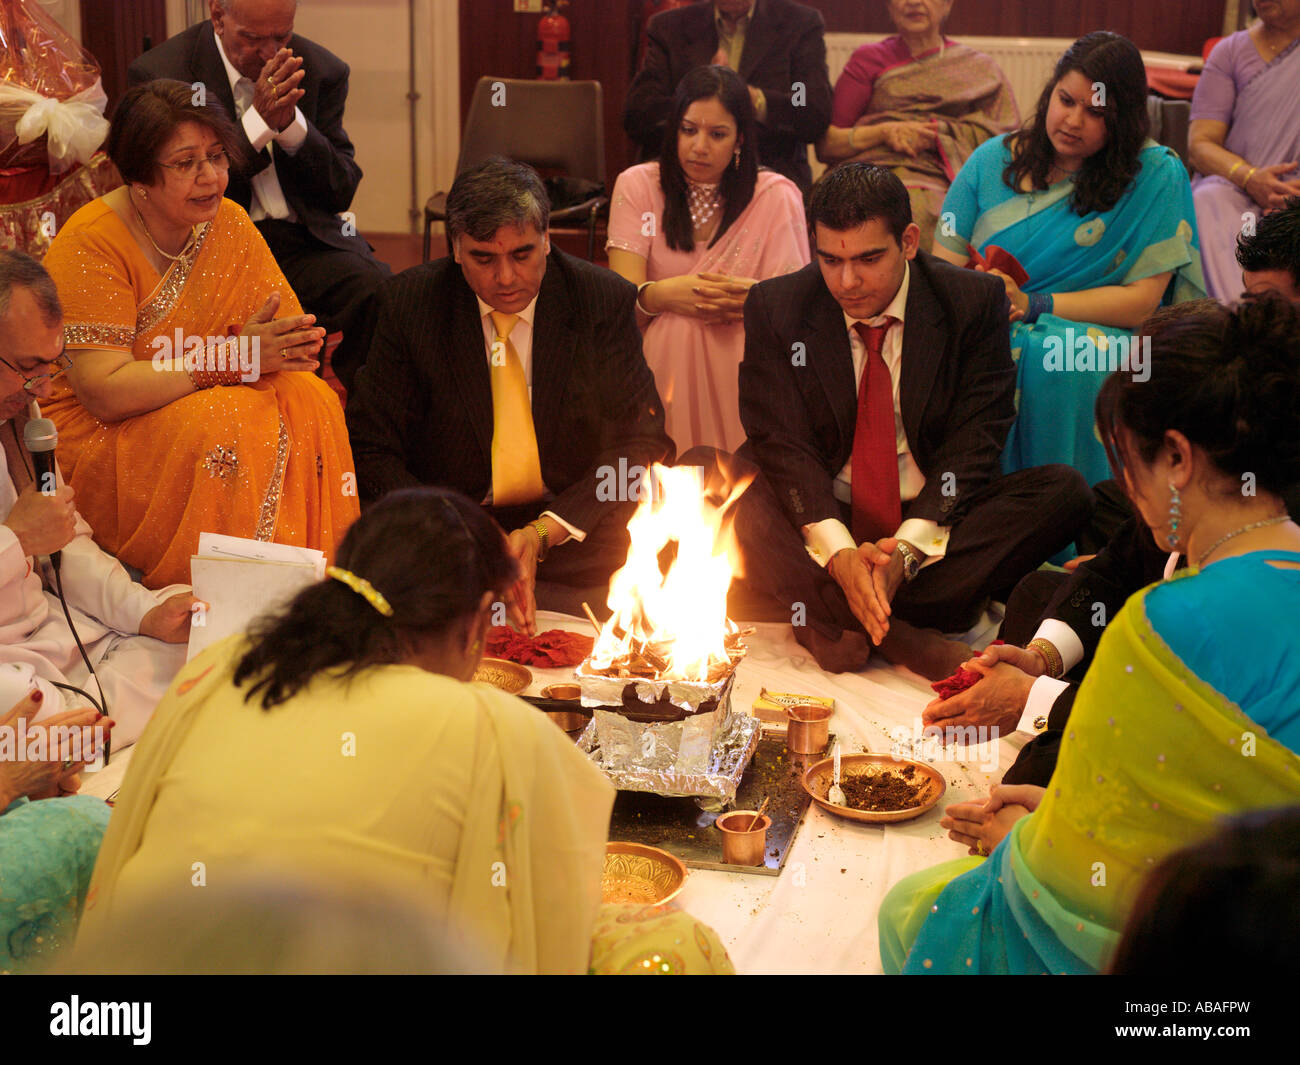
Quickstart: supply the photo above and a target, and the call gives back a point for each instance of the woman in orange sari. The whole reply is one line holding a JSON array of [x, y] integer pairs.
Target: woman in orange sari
[[190, 405]]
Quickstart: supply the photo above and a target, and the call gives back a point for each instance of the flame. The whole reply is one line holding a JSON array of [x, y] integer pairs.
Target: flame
[[680, 615]]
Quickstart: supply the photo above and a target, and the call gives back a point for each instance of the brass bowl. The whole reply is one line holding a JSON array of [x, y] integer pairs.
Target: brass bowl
[[635, 873], [569, 720], [817, 782], [510, 677], [565, 692]]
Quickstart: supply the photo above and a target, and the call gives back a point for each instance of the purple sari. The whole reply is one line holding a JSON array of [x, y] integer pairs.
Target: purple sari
[[1258, 102]]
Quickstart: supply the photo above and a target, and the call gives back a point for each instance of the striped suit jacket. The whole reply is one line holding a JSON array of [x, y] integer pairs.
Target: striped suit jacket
[[421, 411], [956, 394]]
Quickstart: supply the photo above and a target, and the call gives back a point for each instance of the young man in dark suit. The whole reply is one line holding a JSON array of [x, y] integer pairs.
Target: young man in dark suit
[[287, 95], [513, 373], [776, 46], [877, 390]]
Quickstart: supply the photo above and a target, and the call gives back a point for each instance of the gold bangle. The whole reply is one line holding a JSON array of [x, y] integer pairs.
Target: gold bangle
[[1233, 169], [1248, 177], [1051, 657]]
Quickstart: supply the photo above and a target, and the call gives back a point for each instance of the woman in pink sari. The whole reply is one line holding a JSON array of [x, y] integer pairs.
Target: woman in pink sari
[[693, 231], [918, 104]]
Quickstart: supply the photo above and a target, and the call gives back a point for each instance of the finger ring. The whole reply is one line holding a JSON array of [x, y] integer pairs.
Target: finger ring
[[979, 849], [68, 763]]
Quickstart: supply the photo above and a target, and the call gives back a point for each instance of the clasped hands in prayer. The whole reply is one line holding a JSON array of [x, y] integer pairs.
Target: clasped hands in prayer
[[44, 524], [870, 575], [717, 298], [284, 343], [981, 826], [276, 92]]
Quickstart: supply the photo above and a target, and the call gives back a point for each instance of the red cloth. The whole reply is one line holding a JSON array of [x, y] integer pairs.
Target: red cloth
[[995, 258], [549, 649], [877, 508], [961, 680]]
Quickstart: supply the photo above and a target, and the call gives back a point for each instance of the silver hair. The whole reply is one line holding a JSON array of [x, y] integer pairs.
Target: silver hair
[[20, 270], [497, 192]]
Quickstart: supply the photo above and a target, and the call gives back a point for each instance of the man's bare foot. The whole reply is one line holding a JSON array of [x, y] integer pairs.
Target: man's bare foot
[[849, 654], [924, 651]]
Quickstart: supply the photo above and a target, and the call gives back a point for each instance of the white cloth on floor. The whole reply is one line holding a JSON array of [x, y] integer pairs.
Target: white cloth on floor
[[819, 915]]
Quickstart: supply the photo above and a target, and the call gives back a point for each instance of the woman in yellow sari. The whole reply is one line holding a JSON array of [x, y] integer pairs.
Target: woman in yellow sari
[[1191, 709], [346, 735], [188, 407]]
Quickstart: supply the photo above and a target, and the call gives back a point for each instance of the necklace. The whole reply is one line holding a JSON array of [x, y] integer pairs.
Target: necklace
[[704, 201], [171, 258], [1237, 532]]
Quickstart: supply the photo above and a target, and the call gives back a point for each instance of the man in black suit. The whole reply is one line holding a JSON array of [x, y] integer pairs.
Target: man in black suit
[[776, 46], [877, 392], [514, 374], [287, 95]]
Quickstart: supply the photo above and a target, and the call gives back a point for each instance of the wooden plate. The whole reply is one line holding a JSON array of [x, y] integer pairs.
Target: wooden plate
[[510, 677], [817, 782], [636, 873]]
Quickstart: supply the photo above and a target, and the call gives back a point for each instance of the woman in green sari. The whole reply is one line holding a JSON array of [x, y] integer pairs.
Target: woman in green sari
[[1191, 710]]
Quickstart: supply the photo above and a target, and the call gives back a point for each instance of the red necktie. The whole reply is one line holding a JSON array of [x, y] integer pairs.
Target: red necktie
[[877, 510]]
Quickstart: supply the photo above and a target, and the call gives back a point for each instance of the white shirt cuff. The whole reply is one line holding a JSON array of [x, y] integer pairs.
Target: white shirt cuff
[[1064, 639], [291, 137], [574, 534], [929, 537], [260, 134], [825, 539], [255, 128], [1042, 694]]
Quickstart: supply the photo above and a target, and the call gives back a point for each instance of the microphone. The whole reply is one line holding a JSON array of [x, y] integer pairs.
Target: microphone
[[41, 436]]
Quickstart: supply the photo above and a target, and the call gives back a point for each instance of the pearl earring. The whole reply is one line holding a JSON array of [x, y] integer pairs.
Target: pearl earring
[[1175, 516]]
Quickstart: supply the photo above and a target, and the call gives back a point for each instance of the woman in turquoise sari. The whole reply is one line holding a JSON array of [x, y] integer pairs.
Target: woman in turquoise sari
[[1100, 218], [1191, 709]]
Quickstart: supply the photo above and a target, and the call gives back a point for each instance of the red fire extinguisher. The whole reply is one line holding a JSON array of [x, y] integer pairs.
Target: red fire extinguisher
[[553, 43]]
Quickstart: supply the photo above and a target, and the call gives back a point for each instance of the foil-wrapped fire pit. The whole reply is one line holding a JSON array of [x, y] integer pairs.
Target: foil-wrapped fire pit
[[660, 676]]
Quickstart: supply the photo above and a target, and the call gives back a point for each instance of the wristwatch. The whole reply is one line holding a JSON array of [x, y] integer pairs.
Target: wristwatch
[[911, 561]]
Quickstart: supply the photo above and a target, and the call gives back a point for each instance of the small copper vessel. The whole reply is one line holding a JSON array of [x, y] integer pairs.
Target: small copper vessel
[[570, 720], [567, 692], [809, 729], [742, 845]]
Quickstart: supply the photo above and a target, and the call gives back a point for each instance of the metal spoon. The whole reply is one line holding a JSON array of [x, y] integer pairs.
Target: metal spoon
[[836, 795]]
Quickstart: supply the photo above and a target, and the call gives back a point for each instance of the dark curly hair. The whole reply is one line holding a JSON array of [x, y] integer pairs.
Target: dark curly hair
[[1228, 379], [1114, 62], [737, 186], [429, 551], [1275, 244]]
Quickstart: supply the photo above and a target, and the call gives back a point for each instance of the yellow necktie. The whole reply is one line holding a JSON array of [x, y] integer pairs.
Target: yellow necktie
[[516, 469]]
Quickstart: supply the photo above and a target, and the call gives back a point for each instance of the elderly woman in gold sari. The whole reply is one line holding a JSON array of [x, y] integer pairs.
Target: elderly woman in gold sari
[[187, 408], [918, 103], [346, 734]]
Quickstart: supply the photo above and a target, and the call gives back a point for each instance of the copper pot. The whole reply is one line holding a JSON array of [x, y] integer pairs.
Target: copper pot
[[742, 845], [809, 729]]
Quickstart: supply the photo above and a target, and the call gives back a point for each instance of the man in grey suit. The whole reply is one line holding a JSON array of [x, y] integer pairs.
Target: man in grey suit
[[513, 373], [877, 392]]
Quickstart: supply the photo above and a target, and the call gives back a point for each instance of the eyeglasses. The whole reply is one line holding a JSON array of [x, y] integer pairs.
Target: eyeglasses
[[190, 167], [31, 384]]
